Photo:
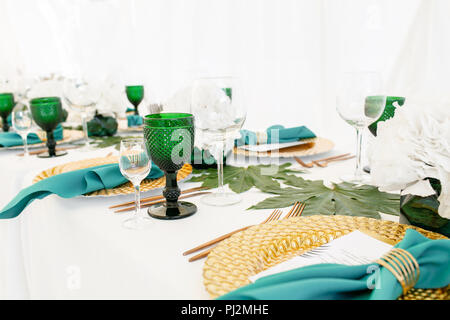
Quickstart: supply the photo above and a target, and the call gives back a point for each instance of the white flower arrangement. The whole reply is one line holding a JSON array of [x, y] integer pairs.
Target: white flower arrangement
[[412, 146]]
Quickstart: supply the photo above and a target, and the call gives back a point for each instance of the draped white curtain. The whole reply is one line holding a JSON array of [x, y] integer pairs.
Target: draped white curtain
[[289, 53]]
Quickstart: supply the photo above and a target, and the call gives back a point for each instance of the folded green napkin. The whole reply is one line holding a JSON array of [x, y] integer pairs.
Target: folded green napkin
[[11, 139], [69, 185], [134, 120], [274, 134], [332, 281]]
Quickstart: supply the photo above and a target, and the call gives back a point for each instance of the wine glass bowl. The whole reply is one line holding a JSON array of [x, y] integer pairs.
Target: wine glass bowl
[[169, 139], [135, 95], [47, 113], [6, 106]]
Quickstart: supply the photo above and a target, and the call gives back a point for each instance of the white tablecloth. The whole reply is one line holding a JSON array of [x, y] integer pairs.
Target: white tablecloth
[[77, 249]]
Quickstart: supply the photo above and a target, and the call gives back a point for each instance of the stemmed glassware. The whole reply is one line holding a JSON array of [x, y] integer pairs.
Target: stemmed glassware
[[219, 109], [6, 106], [169, 138], [82, 97], [135, 95], [360, 102], [135, 165], [47, 113], [22, 121]]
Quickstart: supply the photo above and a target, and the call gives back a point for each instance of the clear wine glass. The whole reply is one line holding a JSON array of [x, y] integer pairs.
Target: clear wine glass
[[82, 97], [135, 165], [219, 109], [360, 102], [22, 121]]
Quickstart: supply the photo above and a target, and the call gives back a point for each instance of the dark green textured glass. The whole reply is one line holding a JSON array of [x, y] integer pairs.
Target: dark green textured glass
[[389, 112], [48, 113], [135, 95], [6, 106], [169, 139]]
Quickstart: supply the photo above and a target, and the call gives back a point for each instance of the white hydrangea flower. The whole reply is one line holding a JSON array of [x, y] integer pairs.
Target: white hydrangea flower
[[412, 146]]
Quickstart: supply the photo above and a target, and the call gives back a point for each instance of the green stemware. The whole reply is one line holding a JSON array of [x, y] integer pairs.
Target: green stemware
[[135, 95], [389, 112], [47, 113], [169, 139], [6, 106]]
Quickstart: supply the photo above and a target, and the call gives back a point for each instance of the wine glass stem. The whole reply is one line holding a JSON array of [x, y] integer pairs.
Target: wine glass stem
[[85, 130], [137, 201], [359, 137], [219, 160], [25, 145]]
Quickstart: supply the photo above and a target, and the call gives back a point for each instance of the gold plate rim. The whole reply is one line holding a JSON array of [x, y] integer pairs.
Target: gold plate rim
[[248, 252], [127, 188], [316, 146]]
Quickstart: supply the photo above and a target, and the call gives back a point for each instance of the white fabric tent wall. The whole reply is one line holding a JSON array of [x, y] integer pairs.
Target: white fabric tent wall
[[289, 53]]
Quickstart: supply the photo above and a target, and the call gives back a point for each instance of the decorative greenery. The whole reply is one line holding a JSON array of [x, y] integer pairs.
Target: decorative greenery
[[241, 179], [105, 142], [101, 126], [338, 199]]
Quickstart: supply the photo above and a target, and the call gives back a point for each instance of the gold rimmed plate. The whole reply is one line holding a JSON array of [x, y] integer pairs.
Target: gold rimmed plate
[[310, 147], [127, 188], [249, 252]]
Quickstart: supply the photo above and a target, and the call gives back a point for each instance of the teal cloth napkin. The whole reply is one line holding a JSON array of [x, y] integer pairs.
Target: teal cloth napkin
[[71, 184], [134, 120], [338, 282], [11, 139], [284, 135]]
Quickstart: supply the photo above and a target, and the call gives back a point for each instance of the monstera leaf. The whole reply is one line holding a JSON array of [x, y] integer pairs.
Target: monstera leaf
[[337, 199], [241, 179]]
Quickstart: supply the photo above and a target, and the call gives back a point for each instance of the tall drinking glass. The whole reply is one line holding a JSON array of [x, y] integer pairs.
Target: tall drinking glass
[[135, 95], [360, 101], [82, 97], [219, 109], [135, 165], [22, 121], [47, 113]]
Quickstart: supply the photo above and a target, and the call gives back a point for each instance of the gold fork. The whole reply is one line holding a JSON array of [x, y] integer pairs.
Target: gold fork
[[295, 211]]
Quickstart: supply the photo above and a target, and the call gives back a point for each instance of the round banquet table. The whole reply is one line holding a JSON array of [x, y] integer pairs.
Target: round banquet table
[[77, 248]]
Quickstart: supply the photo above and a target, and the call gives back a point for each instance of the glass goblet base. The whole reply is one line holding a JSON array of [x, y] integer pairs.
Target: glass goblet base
[[182, 210], [221, 199], [46, 154], [137, 223]]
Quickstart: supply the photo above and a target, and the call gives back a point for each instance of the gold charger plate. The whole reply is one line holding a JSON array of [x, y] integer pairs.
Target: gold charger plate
[[249, 252], [146, 185], [315, 146], [68, 137]]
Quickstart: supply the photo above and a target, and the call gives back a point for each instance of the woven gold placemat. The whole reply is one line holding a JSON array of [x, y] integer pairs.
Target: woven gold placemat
[[247, 253], [147, 184], [315, 146]]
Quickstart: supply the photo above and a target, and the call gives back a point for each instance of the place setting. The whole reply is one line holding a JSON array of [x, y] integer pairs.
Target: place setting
[[188, 173]]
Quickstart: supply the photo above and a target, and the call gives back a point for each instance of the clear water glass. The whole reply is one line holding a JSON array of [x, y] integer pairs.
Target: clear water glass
[[135, 165], [82, 97], [360, 101], [218, 105], [22, 121]]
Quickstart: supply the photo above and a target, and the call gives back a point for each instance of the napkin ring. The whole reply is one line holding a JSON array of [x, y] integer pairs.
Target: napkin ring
[[403, 266]]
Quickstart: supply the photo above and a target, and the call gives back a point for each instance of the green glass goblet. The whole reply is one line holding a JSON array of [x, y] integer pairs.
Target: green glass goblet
[[6, 106], [47, 113], [169, 140], [135, 95]]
